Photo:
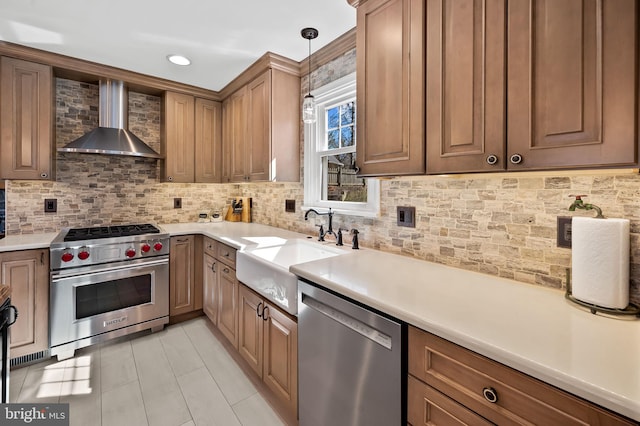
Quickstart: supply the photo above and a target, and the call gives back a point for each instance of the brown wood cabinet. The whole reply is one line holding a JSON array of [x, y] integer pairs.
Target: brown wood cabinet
[[182, 279], [390, 86], [261, 129], [463, 384], [268, 342], [570, 84], [26, 120], [208, 141], [228, 303], [210, 281], [27, 274], [465, 85], [191, 139]]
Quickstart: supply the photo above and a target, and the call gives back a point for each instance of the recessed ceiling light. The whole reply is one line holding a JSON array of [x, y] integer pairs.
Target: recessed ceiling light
[[178, 59]]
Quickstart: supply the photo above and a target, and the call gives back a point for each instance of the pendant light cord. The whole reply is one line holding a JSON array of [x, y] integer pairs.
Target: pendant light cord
[[309, 64]]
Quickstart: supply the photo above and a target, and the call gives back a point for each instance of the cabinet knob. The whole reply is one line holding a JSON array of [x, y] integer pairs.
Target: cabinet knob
[[516, 159], [492, 159], [44, 175], [170, 178], [490, 394]]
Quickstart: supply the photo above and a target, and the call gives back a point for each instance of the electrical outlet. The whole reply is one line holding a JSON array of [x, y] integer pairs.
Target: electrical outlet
[[50, 205], [177, 203], [564, 232], [406, 216], [290, 206]]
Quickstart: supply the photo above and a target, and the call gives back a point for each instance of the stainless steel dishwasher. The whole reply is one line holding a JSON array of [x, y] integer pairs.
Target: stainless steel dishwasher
[[351, 362]]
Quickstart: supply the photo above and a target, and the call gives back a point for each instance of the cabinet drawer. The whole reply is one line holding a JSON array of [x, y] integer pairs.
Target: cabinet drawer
[[226, 254], [427, 406], [472, 379], [209, 245]]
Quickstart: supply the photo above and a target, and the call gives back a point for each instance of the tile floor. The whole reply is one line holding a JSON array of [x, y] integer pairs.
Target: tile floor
[[180, 376]]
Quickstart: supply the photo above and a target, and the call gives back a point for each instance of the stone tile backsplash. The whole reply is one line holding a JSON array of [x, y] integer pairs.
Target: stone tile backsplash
[[501, 224]]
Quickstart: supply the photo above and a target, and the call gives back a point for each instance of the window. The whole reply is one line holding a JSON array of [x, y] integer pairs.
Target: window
[[330, 172]]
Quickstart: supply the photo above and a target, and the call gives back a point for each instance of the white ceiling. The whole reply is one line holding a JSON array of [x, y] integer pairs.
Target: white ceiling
[[222, 38]]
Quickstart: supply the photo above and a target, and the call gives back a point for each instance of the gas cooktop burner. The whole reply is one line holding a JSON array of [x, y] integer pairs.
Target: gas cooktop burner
[[81, 234]]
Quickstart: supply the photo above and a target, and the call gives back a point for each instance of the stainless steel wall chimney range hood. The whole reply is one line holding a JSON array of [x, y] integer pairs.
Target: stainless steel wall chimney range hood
[[112, 136]]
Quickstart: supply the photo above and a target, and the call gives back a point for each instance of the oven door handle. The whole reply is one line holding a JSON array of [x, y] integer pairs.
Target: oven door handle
[[108, 268]]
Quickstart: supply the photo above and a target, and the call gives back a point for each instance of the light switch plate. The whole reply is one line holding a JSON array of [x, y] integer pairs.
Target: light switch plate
[[406, 216], [564, 232]]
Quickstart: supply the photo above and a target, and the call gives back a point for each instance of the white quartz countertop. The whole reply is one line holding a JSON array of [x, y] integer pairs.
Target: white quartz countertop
[[236, 234], [26, 241], [530, 328]]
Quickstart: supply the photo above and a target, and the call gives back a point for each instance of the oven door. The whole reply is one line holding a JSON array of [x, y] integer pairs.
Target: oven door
[[99, 299]]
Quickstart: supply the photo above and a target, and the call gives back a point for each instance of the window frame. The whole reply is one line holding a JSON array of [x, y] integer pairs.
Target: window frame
[[335, 93]]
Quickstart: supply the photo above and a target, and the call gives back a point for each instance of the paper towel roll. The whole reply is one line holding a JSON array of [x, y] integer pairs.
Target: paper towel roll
[[600, 261]]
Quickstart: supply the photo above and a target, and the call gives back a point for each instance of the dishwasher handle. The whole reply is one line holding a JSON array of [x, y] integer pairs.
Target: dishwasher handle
[[348, 321]]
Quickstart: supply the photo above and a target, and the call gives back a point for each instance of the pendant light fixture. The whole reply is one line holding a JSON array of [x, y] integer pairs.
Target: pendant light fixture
[[309, 105]]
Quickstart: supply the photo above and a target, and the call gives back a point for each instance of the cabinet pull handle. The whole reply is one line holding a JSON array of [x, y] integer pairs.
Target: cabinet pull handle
[[258, 310], [213, 267], [490, 394], [42, 258], [182, 241], [226, 270], [226, 254], [265, 316], [516, 159], [492, 159], [44, 175]]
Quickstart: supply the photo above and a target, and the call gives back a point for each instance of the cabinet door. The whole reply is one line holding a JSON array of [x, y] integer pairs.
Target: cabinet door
[[27, 274], [210, 287], [208, 141], [572, 83], [280, 372], [178, 137], [181, 275], [427, 406], [26, 124], [465, 85], [250, 335], [228, 303], [236, 134], [258, 148], [390, 65]]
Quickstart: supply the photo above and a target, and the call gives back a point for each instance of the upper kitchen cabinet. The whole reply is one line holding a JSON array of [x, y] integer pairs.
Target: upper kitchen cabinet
[[570, 84], [208, 143], [390, 87], [465, 85], [261, 129], [191, 139], [26, 120]]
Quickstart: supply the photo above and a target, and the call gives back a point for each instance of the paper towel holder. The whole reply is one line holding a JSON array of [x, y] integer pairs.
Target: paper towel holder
[[580, 204], [630, 310]]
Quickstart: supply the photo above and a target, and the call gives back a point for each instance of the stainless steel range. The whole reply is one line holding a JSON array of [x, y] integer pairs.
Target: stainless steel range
[[107, 282]]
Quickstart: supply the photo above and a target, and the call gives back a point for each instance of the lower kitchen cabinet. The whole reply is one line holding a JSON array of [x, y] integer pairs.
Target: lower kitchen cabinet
[[210, 287], [228, 303], [27, 274], [268, 342], [185, 289], [449, 384]]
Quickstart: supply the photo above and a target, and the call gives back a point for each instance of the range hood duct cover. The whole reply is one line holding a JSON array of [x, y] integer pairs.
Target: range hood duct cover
[[112, 137]]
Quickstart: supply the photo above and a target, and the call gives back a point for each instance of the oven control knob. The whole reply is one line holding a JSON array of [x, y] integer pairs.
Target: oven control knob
[[83, 255], [130, 252], [145, 248], [157, 246], [67, 256]]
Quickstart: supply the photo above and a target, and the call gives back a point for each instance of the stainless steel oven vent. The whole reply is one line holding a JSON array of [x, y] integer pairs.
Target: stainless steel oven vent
[[112, 136]]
